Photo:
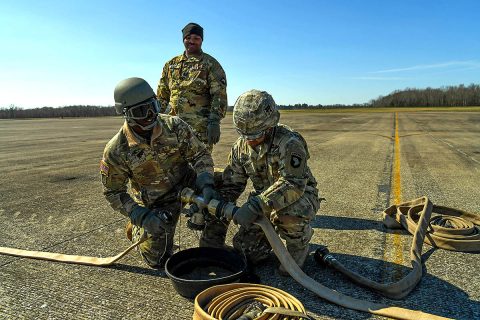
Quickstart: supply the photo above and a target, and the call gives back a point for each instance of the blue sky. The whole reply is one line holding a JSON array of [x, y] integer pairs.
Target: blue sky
[[55, 53]]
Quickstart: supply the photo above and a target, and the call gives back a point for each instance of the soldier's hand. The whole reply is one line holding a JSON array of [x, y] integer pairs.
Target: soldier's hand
[[204, 184], [158, 222], [209, 193], [247, 213], [155, 222], [213, 132]]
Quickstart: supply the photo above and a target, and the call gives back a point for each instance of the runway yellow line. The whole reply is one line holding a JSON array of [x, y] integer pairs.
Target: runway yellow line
[[397, 183], [394, 242], [397, 194]]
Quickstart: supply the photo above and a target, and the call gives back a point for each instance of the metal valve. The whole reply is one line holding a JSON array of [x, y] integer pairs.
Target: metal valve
[[217, 208]]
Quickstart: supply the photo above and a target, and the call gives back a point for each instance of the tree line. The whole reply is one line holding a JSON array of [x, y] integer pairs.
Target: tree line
[[14, 112], [450, 96]]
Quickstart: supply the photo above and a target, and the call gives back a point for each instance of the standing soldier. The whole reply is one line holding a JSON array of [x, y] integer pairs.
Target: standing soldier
[[193, 86], [274, 157], [147, 163]]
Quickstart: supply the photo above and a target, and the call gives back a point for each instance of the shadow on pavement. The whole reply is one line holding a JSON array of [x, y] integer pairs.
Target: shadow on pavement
[[139, 270], [346, 223]]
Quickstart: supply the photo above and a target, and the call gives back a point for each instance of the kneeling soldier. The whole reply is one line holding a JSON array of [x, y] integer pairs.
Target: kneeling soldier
[[274, 157], [147, 163]]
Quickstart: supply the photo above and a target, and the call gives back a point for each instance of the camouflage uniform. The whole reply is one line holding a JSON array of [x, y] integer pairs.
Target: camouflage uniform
[[284, 184], [154, 172], [195, 87]]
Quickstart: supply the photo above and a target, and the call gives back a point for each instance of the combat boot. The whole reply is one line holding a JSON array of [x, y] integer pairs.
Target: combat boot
[[299, 255], [128, 230]]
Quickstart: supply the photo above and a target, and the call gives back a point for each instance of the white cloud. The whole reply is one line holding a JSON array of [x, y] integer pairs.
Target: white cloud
[[471, 64], [379, 78]]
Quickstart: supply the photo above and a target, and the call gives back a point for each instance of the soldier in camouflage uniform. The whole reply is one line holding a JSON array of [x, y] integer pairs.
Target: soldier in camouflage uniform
[[193, 86], [147, 163], [274, 157]]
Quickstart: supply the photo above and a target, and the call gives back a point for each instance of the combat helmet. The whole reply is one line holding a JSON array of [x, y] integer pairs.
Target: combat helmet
[[135, 99], [254, 112]]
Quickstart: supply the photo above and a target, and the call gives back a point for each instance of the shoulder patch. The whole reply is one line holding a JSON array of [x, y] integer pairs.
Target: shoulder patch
[[295, 160], [104, 168]]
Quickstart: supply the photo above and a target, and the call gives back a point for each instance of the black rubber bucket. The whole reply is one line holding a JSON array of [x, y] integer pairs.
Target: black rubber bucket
[[196, 269]]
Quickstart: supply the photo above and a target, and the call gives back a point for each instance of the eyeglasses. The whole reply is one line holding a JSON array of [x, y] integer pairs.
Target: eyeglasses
[[251, 136], [143, 110]]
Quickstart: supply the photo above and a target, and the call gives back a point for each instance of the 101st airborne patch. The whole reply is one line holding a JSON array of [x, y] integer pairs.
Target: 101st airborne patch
[[296, 163], [295, 160], [104, 168]]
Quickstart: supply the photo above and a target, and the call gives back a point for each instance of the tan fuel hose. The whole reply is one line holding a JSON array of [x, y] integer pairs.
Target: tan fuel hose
[[418, 211], [67, 258], [331, 295], [452, 229], [230, 301]]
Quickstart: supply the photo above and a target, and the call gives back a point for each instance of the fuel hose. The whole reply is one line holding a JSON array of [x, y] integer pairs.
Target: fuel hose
[[67, 258], [450, 229]]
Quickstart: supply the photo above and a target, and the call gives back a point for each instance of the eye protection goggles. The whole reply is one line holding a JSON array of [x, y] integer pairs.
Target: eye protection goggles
[[143, 110], [251, 136]]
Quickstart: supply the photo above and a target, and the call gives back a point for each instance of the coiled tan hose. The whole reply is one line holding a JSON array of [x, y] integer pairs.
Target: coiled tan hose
[[229, 301]]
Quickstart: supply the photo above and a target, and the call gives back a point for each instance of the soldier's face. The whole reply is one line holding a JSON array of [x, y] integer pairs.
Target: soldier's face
[[193, 44], [255, 142]]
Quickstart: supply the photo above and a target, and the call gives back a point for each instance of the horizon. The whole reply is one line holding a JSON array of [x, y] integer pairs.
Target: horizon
[[315, 52], [280, 105]]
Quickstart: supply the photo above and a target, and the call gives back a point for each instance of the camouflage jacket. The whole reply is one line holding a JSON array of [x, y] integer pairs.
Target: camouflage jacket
[[278, 170], [195, 88], [154, 171]]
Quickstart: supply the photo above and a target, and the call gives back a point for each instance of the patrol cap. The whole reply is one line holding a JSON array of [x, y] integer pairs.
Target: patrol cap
[[192, 28], [254, 112]]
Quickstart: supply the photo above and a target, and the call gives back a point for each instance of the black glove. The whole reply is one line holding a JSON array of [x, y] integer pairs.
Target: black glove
[[247, 213], [155, 222], [213, 131], [204, 183]]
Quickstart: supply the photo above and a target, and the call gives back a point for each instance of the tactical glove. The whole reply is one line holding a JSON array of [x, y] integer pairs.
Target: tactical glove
[[213, 130], [155, 222], [247, 213], [204, 183]]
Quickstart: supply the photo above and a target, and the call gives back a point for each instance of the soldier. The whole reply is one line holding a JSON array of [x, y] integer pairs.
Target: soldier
[[193, 86], [274, 157], [147, 163]]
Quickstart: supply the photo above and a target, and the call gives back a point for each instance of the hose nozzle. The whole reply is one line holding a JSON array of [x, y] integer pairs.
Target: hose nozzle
[[215, 207]]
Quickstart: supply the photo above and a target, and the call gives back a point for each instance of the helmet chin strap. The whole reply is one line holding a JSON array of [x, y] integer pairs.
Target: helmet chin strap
[[133, 123]]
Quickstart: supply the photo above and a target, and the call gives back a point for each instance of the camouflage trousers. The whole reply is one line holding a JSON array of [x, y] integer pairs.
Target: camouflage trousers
[[204, 138], [292, 224]]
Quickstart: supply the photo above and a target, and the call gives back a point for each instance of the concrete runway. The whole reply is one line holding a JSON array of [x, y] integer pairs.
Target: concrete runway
[[51, 200]]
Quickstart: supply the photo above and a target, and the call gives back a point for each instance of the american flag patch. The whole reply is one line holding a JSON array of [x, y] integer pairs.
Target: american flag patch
[[104, 168]]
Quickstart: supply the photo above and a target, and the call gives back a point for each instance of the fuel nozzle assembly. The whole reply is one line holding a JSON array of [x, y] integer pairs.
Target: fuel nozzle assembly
[[199, 210], [197, 217]]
